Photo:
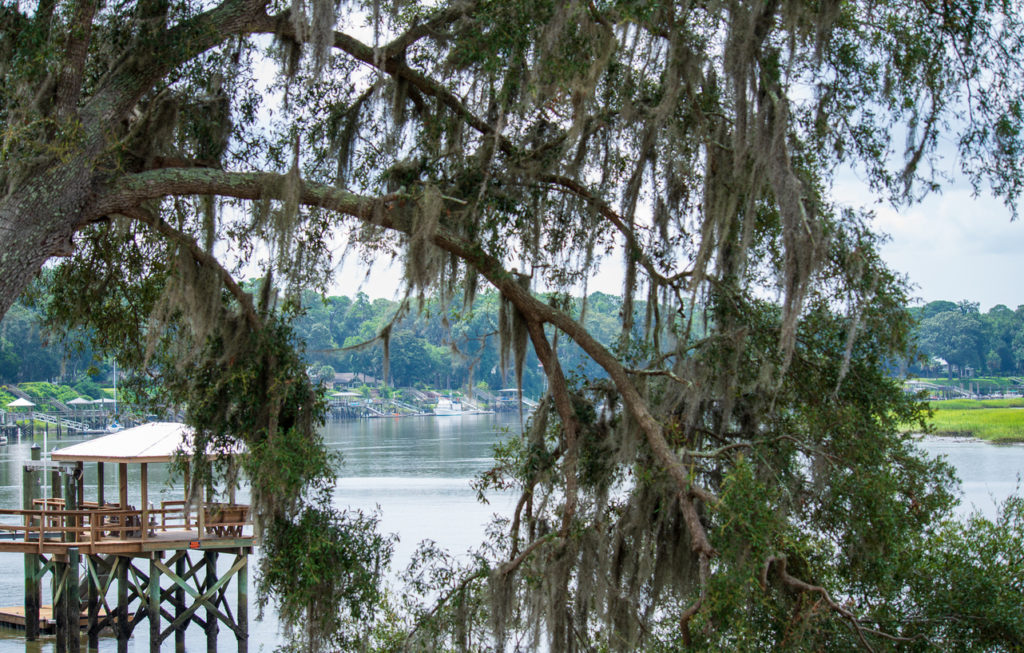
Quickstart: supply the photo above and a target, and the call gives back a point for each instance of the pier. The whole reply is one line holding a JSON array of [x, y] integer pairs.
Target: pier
[[117, 566]]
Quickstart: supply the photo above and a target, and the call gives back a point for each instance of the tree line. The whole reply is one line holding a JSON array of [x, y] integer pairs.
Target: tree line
[[957, 338], [441, 347], [449, 347]]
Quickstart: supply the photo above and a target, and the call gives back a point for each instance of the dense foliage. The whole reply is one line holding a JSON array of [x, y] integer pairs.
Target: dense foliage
[[736, 478], [960, 338]]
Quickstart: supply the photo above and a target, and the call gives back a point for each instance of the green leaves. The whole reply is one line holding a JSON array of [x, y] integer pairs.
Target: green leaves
[[327, 567]]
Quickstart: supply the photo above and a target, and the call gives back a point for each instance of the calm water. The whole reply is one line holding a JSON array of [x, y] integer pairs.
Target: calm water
[[417, 471]]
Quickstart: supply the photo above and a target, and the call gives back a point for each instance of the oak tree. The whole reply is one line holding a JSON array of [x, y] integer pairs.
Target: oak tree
[[739, 480]]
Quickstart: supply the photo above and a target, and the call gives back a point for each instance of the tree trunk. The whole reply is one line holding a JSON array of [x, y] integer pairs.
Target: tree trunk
[[37, 222]]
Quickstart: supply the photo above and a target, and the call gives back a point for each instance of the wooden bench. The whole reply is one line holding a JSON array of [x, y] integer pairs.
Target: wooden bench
[[225, 519]]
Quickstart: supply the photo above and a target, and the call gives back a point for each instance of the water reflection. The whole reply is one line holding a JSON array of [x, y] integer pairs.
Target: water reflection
[[988, 472]]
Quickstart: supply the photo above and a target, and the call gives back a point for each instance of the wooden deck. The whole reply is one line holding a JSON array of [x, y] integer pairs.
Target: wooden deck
[[110, 530], [15, 618], [170, 541]]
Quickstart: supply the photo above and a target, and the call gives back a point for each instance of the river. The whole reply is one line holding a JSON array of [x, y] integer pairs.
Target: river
[[417, 471]]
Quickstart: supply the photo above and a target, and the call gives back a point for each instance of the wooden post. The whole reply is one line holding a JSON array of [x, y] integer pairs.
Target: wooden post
[[29, 491], [99, 483], [242, 636], [80, 477], [179, 604], [122, 628], [145, 501], [92, 564], [60, 599], [188, 495], [122, 485], [153, 608], [72, 604], [55, 485], [210, 558], [70, 503]]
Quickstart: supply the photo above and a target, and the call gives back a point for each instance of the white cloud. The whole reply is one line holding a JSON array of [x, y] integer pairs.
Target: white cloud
[[952, 245]]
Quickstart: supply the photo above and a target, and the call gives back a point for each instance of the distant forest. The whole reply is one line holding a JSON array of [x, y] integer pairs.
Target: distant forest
[[957, 338], [437, 347], [443, 348]]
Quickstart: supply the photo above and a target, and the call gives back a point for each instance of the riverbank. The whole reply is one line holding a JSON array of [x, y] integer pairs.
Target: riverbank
[[995, 420]]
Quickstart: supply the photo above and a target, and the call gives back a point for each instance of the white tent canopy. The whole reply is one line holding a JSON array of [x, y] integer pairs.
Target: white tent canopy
[[20, 403], [156, 442]]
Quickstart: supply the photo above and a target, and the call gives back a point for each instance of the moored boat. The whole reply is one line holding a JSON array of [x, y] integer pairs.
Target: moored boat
[[448, 407]]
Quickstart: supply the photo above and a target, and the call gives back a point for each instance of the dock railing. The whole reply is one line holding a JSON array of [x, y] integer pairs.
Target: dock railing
[[51, 526]]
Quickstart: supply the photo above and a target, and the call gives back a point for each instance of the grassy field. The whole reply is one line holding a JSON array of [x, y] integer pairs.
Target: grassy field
[[977, 404], [988, 419]]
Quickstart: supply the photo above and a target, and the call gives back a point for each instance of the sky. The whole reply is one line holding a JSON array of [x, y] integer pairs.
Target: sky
[[952, 246]]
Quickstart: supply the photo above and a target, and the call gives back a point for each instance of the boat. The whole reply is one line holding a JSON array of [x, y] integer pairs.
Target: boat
[[448, 407], [114, 427]]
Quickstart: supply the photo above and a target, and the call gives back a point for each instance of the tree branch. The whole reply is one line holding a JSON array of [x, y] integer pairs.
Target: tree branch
[[138, 69], [131, 190], [69, 82], [395, 212], [563, 404], [243, 298], [779, 562], [397, 46]]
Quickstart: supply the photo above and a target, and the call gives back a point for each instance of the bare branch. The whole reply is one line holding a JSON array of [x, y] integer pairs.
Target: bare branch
[[779, 563]]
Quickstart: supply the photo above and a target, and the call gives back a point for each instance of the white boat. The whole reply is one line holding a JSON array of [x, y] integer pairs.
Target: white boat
[[446, 406]]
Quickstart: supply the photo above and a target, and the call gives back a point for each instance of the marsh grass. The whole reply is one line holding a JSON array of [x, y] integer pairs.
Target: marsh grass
[[977, 404], [990, 419]]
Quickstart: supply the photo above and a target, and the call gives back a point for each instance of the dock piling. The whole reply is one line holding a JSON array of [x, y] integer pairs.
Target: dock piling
[[179, 605], [242, 634], [72, 604], [122, 628], [210, 558], [33, 591], [153, 609]]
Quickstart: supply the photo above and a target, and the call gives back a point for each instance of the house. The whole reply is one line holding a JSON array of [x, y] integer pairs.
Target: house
[[353, 379]]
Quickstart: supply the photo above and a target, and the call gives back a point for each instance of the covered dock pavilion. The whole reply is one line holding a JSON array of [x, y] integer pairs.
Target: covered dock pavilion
[[161, 559]]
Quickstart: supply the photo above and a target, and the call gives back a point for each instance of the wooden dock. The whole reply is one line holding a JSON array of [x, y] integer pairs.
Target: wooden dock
[[15, 618], [112, 566]]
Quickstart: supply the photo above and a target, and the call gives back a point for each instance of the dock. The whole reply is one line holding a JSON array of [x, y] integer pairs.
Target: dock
[[115, 567], [14, 618]]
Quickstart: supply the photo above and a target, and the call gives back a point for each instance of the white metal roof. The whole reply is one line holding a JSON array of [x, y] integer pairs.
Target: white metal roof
[[79, 401], [20, 403], [155, 442]]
